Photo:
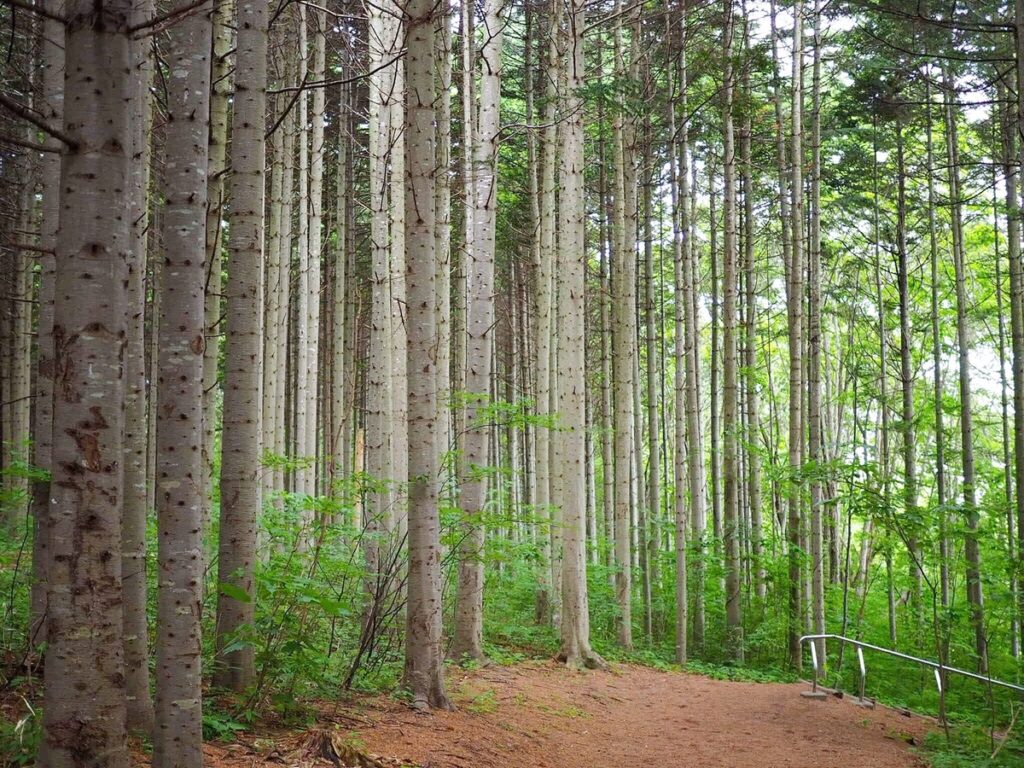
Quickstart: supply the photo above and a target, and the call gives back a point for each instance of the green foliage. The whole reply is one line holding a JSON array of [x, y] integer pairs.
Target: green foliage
[[19, 738], [973, 747], [218, 725]]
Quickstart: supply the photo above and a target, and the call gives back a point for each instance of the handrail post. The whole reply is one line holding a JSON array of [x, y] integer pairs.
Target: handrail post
[[814, 693], [940, 668]]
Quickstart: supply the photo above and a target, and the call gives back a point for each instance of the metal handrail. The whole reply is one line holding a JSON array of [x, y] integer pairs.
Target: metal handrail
[[940, 669]]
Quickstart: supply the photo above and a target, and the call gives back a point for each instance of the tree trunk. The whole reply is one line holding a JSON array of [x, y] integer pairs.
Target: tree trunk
[[220, 95], [480, 328], [940, 442], [814, 425], [753, 428], [569, 480], [318, 150], [1017, 302], [972, 555], [93, 257], [240, 489], [691, 352], [136, 495], [378, 408], [424, 673], [730, 409], [794, 312], [624, 336], [547, 593], [178, 736], [52, 108], [681, 358]]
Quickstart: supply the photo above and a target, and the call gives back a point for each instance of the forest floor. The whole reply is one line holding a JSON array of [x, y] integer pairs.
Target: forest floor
[[539, 715]]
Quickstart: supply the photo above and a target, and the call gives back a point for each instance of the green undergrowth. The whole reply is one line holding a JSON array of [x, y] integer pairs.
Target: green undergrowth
[[972, 746]]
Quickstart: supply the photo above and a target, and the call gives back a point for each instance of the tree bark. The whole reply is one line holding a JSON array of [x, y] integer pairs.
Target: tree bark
[[52, 108], [240, 489], [794, 312], [975, 597], [136, 493], [178, 736], [84, 703], [569, 481], [730, 409], [424, 674], [480, 326]]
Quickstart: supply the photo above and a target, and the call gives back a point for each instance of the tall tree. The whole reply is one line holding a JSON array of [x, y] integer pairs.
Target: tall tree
[[84, 703], [730, 408], [424, 674], [795, 322], [624, 357], [180, 493], [240, 488], [480, 327], [971, 549], [569, 481]]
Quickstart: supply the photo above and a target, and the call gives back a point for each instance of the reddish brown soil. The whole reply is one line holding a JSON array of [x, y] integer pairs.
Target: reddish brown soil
[[540, 715]]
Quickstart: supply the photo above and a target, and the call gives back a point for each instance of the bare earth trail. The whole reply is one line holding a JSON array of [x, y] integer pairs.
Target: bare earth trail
[[539, 715]]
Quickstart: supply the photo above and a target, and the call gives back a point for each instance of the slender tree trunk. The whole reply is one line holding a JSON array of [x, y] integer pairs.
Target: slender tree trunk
[[318, 150], [691, 352], [624, 335], [730, 410], [681, 359], [1017, 301], [178, 736], [939, 431], [220, 94], [443, 210], [714, 362], [378, 409], [569, 481], [753, 428], [1004, 398], [301, 354], [910, 513], [240, 489], [399, 416], [547, 599], [883, 384], [480, 328], [424, 674], [972, 555], [651, 529], [814, 340], [795, 319], [340, 438], [136, 495], [52, 109]]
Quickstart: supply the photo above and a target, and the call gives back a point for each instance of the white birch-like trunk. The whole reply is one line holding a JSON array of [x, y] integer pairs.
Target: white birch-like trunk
[[424, 672], [569, 486], [480, 330]]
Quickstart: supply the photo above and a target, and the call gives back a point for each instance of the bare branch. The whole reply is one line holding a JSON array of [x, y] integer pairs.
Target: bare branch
[[160, 18], [34, 145], [25, 113], [36, 9]]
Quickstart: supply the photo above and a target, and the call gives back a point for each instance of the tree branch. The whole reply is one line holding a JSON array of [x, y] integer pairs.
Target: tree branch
[[36, 9], [25, 113], [27, 144], [160, 18]]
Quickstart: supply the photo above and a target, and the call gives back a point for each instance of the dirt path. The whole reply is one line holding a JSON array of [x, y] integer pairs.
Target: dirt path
[[541, 716]]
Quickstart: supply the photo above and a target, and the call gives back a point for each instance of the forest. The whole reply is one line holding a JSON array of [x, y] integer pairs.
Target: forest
[[352, 350]]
